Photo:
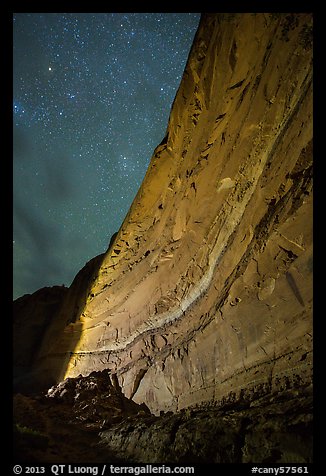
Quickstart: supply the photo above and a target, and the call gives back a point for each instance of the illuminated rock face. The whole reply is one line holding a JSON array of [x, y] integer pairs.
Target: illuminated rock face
[[206, 292]]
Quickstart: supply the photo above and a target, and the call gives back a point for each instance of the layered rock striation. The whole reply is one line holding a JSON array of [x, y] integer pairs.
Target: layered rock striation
[[205, 294]]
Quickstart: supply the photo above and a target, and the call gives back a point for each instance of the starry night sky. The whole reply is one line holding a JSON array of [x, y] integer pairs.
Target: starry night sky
[[92, 95]]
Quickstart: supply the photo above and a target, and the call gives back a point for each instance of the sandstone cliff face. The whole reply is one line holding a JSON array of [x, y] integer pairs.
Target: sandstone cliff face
[[206, 291]]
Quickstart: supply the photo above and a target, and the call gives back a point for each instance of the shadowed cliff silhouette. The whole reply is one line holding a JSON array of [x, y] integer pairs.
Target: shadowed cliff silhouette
[[33, 336]]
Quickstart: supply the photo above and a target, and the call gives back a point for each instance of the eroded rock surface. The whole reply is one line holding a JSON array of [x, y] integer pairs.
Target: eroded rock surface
[[205, 294], [207, 288], [249, 435], [62, 425], [88, 419]]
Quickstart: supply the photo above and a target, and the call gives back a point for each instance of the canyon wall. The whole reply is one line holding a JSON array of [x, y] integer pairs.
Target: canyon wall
[[205, 294]]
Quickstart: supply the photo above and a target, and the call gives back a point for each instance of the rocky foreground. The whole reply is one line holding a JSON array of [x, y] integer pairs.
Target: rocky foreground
[[88, 419]]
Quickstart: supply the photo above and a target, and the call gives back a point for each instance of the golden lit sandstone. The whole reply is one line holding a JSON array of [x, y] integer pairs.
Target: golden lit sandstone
[[206, 292]]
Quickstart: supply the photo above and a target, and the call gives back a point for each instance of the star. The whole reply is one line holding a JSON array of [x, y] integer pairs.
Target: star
[[84, 132]]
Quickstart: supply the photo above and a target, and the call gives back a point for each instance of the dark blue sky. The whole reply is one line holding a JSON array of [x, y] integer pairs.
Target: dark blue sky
[[92, 95]]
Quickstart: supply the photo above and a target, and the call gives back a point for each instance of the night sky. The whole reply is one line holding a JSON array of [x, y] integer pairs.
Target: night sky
[[92, 95]]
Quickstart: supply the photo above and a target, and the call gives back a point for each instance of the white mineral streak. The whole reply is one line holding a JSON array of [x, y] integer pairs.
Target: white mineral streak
[[226, 184], [233, 216]]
